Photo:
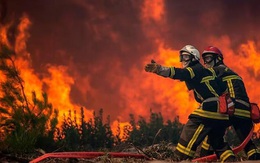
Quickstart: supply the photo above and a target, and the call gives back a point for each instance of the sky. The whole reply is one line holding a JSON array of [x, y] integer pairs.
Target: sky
[[92, 53]]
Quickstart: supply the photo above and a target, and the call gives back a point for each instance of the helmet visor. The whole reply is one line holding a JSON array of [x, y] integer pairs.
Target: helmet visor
[[184, 57], [208, 58]]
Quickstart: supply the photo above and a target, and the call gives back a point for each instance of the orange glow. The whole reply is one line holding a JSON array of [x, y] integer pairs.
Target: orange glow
[[57, 80], [153, 16], [3, 34], [138, 90], [32, 82], [121, 125], [20, 45], [153, 9], [59, 87]]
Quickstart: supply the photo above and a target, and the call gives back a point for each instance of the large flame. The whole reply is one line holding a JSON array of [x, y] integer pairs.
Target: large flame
[[58, 80]]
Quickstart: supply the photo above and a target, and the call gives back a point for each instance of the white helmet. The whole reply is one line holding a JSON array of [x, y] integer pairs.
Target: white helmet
[[191, 50]]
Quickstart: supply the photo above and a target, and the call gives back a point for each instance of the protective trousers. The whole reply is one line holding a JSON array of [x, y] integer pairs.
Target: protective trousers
[[242, 127], [195, 131]]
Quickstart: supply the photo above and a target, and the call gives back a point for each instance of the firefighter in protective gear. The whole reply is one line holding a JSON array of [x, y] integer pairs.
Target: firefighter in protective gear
[[205, 120], [241, 120]]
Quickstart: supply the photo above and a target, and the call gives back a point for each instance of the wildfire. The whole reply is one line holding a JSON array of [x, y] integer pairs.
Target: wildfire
[[57, 80], [136, 91]]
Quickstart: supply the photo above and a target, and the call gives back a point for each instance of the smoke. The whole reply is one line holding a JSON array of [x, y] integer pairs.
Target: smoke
[[99, 47], [2, 11]]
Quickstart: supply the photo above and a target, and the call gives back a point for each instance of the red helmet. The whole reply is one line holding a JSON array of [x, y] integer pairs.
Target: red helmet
[[213, 50]]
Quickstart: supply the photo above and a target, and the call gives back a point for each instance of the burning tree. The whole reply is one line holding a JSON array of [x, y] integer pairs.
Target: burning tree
[[22, 121]]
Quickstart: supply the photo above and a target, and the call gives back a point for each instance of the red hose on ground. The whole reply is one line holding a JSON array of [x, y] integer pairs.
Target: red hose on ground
[[91, 155], [235, 150], [88, 155]]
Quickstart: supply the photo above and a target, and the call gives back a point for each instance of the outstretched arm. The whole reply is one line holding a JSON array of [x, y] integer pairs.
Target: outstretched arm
[[158, 69]]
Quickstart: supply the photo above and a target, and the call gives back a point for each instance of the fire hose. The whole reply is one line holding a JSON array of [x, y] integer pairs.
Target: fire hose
[[91, 155], [235, 150]]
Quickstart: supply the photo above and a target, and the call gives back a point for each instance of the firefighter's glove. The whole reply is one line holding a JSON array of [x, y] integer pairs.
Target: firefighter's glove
[[157, 68], [152, 67]]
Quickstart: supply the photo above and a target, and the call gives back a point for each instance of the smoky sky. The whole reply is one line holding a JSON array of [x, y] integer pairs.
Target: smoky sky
[[94, 38]]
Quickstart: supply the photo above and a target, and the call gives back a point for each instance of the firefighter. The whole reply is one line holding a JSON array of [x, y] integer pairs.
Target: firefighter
[[241, 120], [205, 120]]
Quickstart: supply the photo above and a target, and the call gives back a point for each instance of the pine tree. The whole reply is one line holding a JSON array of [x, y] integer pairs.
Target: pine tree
[[23, 121]]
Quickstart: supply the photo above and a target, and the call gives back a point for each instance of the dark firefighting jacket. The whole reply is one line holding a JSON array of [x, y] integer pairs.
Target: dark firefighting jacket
[[206, 87], [236, 89]]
